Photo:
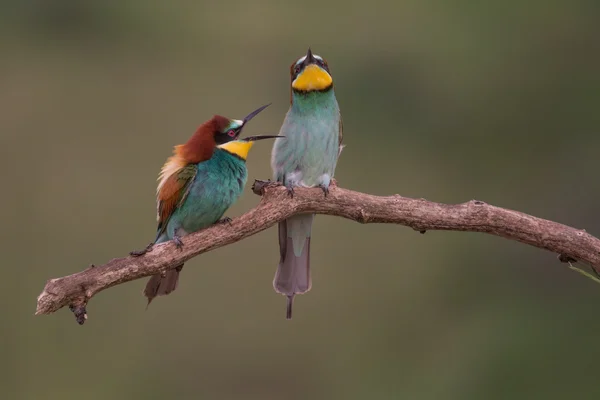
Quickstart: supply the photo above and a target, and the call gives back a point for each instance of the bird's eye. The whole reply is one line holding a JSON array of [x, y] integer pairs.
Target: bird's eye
[[231, 133], [297, 69]]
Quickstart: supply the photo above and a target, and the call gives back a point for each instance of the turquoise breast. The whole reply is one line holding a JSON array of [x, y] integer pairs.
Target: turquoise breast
[[218, 184]]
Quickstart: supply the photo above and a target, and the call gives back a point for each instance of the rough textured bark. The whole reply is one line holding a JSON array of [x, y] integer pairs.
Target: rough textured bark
[[421, 215]]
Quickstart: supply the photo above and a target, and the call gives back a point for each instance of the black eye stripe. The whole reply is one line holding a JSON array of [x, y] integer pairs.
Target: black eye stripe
[[299, 67]]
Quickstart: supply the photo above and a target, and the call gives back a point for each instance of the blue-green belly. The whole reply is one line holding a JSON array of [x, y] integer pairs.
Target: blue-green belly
[[218, 184], [311, 146]]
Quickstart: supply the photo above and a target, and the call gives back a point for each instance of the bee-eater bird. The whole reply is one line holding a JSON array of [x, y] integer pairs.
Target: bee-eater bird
[[202, 179], [308, 156]]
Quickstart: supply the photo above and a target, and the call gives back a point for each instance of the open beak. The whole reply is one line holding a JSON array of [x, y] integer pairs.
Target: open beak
[[260, 137], [254, 113]]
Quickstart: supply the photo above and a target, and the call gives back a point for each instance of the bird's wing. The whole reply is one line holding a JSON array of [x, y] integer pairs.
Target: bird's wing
[[340, 137], [172, 192]]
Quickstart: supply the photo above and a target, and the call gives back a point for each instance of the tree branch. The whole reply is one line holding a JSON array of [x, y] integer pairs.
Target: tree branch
[[421, 215]]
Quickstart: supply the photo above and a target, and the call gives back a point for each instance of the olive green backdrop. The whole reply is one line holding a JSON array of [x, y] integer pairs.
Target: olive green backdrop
[[449, 101]]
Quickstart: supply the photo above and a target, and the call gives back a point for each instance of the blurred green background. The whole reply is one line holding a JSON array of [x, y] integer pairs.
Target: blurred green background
[[449, 101]]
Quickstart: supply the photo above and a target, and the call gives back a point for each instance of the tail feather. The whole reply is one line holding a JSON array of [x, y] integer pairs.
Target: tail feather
[[293, 273], [160, 285]]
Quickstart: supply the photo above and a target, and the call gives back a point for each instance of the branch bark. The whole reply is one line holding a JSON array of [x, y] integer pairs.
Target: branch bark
[[421, 215]]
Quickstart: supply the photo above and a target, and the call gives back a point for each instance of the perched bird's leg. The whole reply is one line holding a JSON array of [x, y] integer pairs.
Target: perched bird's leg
[[177, 241], [325, 180], [225, 220], [137, 253], [290, 190], [291, 180]]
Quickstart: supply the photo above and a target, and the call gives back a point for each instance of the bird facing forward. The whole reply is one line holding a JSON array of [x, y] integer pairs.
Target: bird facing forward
[[308, 157]]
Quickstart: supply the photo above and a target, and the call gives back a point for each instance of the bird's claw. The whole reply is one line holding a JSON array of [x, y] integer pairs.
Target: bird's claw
[[138, 253], [325, 190], [178, 242], [290, 191], [225, 220]]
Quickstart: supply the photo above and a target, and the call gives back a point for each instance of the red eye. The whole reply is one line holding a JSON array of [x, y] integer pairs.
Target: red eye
[[231, 133]]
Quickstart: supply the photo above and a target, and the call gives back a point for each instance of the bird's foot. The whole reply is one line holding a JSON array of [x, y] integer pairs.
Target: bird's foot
[[325, 183], [138, 253], [225, 220], [290, 190], [178, 242], [325, 189]]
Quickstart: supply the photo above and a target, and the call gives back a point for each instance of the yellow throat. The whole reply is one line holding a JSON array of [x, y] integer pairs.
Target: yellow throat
[[238, 147], [312, 78]]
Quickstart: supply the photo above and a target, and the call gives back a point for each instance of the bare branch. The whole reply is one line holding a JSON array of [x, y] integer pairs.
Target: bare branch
[[421, 215]]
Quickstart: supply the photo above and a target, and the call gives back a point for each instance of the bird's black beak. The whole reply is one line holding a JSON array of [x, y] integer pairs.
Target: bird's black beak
[[260, 137], [309, 58], [254, 113]]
